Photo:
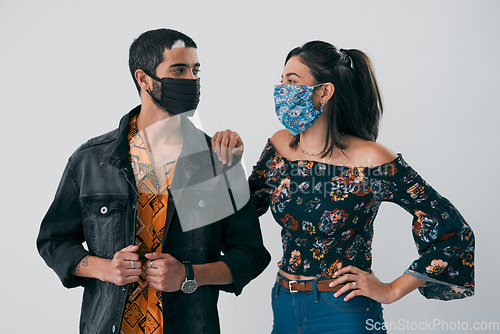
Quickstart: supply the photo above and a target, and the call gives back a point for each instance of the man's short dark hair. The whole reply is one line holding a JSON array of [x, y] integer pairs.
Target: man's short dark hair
[[146, 52]]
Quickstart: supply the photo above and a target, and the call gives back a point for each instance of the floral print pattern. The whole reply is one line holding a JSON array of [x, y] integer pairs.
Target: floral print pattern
[[326, 213], [294, 107], [436, 267]]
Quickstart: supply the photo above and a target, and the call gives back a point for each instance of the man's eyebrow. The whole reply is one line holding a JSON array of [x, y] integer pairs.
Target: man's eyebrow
[[184, 65]]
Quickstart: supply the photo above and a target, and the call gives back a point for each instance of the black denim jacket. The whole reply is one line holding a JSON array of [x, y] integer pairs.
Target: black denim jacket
[[96, 203]]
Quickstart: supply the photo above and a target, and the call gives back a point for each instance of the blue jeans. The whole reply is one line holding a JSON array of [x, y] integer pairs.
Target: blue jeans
[[321, 312]]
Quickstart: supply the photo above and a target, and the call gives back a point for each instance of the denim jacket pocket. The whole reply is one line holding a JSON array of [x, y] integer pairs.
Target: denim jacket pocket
[[103, 224]]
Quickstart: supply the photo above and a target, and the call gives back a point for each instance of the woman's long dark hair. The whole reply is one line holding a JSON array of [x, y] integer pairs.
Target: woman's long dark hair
[[355, 107]]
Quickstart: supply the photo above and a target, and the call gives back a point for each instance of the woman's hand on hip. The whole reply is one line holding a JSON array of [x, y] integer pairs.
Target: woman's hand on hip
[[362, 283]]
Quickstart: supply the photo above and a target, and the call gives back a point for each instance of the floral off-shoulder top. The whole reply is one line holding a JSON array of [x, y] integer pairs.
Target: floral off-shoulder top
[[326, 213]]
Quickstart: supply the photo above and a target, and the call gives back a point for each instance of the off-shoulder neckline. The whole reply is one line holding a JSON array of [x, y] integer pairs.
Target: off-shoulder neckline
[[396, 160]]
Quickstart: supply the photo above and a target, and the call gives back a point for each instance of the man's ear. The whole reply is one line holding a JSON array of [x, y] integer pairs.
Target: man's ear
[[143, 80]]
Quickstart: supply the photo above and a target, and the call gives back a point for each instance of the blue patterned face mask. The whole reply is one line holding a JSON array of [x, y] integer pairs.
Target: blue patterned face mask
[[294, 107]]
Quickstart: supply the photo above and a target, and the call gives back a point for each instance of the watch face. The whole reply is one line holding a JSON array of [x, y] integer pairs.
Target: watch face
[[189, 286]]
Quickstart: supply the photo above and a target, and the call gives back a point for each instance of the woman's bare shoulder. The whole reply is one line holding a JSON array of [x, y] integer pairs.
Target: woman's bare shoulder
[[281, 141], [365, 153]]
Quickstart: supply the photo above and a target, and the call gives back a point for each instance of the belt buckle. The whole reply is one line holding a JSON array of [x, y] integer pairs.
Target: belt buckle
[[290, 286]]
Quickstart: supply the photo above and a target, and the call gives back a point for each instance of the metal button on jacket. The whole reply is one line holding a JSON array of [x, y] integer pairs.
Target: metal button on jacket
[[104, 210]]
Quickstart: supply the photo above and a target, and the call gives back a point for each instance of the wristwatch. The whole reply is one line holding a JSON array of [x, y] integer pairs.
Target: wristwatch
[[189, 285]]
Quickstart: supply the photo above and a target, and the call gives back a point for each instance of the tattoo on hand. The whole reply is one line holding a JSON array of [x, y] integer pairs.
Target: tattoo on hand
[[83, 263]]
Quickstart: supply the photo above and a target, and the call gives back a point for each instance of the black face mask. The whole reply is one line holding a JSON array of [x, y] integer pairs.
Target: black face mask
[[178, 95]]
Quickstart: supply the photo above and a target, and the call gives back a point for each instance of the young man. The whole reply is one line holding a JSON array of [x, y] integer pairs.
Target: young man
[[165, 223]]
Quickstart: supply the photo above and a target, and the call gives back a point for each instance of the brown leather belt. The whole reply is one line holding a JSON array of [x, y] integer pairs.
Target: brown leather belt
[[296, 286]]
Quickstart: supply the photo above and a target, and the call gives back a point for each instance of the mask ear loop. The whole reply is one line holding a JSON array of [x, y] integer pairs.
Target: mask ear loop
[[324, 102], [154, 77], [154, 98]]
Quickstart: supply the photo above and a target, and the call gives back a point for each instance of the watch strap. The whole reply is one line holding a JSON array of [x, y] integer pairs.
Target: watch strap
[[189, 271]]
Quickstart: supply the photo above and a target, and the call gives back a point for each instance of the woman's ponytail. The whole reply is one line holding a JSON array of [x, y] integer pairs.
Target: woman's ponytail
[[367, 91]]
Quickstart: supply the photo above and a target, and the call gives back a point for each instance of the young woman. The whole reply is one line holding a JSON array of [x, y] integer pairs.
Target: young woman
[[324, 178]]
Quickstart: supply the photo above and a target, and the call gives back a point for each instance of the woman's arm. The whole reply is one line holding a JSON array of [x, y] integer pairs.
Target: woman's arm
[[370, 286], [445, 242]]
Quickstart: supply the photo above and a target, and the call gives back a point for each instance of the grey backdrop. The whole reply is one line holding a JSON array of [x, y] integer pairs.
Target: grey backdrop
[[65, 79]]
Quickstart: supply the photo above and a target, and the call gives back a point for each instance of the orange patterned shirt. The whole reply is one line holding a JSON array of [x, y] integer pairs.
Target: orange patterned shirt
[[143, 308]]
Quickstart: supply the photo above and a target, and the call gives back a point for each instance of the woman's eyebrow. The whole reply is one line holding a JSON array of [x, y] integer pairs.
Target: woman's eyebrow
[[292, 73]]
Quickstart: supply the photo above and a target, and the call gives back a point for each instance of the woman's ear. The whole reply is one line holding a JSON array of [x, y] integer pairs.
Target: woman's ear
[[327, 91]]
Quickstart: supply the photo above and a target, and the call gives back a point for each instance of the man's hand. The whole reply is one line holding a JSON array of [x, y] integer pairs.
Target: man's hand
[[166, 274], [226, 144], [121, 270]]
